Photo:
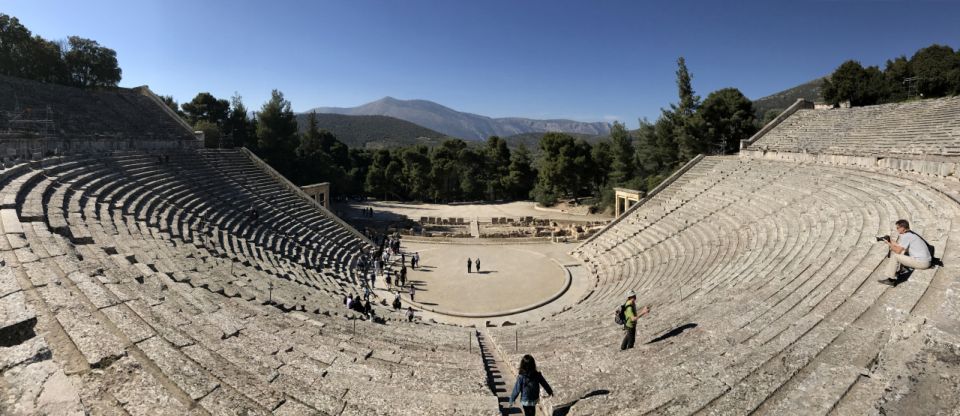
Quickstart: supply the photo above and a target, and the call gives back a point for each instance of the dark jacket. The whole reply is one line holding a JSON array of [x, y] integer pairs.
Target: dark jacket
[[528, 388]]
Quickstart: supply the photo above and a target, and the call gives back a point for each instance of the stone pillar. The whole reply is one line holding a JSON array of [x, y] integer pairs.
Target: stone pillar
[[320, 192], [624, 199]]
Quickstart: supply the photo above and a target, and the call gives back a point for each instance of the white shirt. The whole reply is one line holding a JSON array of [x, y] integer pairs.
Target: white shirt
[[914, 246]]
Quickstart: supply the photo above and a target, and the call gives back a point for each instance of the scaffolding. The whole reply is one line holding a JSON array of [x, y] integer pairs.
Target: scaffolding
[[25, 132]]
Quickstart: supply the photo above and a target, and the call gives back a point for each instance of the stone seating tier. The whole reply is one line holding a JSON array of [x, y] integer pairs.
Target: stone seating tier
[[921, 128], [762, 280], [225, 315]]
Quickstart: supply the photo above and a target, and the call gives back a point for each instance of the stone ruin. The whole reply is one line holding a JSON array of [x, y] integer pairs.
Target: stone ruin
[[138, 284]]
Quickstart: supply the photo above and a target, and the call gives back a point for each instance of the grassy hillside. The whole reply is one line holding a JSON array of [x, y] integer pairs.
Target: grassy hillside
[[373, 132], [783, 99]]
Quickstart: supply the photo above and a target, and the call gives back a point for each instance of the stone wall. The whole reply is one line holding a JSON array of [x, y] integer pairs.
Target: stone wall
[[940, 167]]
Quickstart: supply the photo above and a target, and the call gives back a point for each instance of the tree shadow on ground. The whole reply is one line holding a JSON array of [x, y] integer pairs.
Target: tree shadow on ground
[[564, 409], [673, 332]]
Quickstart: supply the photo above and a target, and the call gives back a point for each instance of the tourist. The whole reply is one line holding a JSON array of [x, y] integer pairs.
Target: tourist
[[367, 308], [908, 252], [477, 263], [409, 313], [348, 301], [630, 320], [403, 273], [396, 301], [413, 292], [403, 279], [469, 265], [528, 385], [416, 260]]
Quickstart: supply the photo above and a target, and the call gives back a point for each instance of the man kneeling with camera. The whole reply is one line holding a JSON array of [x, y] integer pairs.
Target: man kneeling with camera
[[908, 252]]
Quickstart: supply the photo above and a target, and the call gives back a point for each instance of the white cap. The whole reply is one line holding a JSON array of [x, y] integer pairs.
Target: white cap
[[631, 294]]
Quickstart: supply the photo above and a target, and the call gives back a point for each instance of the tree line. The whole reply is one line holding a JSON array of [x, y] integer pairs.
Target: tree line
[[76, 61], [931, 72], [456, 170]]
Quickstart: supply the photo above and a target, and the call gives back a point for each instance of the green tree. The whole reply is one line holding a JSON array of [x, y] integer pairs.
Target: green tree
[[91, 65], [686, 129], [472, 183], [895, 74], [445, 170], [727, 117], [211, 133], [938, 67], [26, 56], [565, 168], [416, 171], [648, 160], [497, 167], [204, 106], [852, 82], [521, 176], [377, 181], [601, 157], [238, 125], [277, 132], [622, 156]]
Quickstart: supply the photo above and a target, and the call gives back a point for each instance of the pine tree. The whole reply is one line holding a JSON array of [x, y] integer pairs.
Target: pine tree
[[622, 164]]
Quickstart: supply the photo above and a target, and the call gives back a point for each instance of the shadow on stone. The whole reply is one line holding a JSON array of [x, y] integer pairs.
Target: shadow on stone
[[564, 409], [673, 332]]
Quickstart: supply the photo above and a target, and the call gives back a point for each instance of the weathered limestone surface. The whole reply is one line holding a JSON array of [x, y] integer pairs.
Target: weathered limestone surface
[[142, 285]]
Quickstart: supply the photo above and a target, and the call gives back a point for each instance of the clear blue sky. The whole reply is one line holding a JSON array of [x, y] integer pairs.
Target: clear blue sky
[[586, 60]]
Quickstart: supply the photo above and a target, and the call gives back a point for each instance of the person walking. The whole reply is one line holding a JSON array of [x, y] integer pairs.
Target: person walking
[[630, 316], [528, 385], [477, 264], [469, 265], [413, 292]]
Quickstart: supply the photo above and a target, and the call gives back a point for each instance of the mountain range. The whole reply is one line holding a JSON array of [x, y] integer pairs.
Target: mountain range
[[372, 132], [464, 125]]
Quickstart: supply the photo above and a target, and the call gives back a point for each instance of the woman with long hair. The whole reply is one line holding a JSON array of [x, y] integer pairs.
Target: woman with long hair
[[528, 385]]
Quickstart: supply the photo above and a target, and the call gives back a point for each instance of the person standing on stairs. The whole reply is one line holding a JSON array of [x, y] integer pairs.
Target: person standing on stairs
[[630, 320], [528, 385], [477, 264], [469, 265]]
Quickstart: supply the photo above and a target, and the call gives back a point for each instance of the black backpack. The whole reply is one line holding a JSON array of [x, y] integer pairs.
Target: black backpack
[[621, 315]]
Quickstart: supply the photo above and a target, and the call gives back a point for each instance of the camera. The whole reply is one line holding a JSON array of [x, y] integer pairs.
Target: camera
[[883, 238]]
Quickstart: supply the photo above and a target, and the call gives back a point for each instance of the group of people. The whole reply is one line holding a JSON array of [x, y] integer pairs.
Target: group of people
[[377, 262], [472, 264]]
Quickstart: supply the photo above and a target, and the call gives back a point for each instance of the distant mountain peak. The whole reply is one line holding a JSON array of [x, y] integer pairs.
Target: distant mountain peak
[[468, 126]]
